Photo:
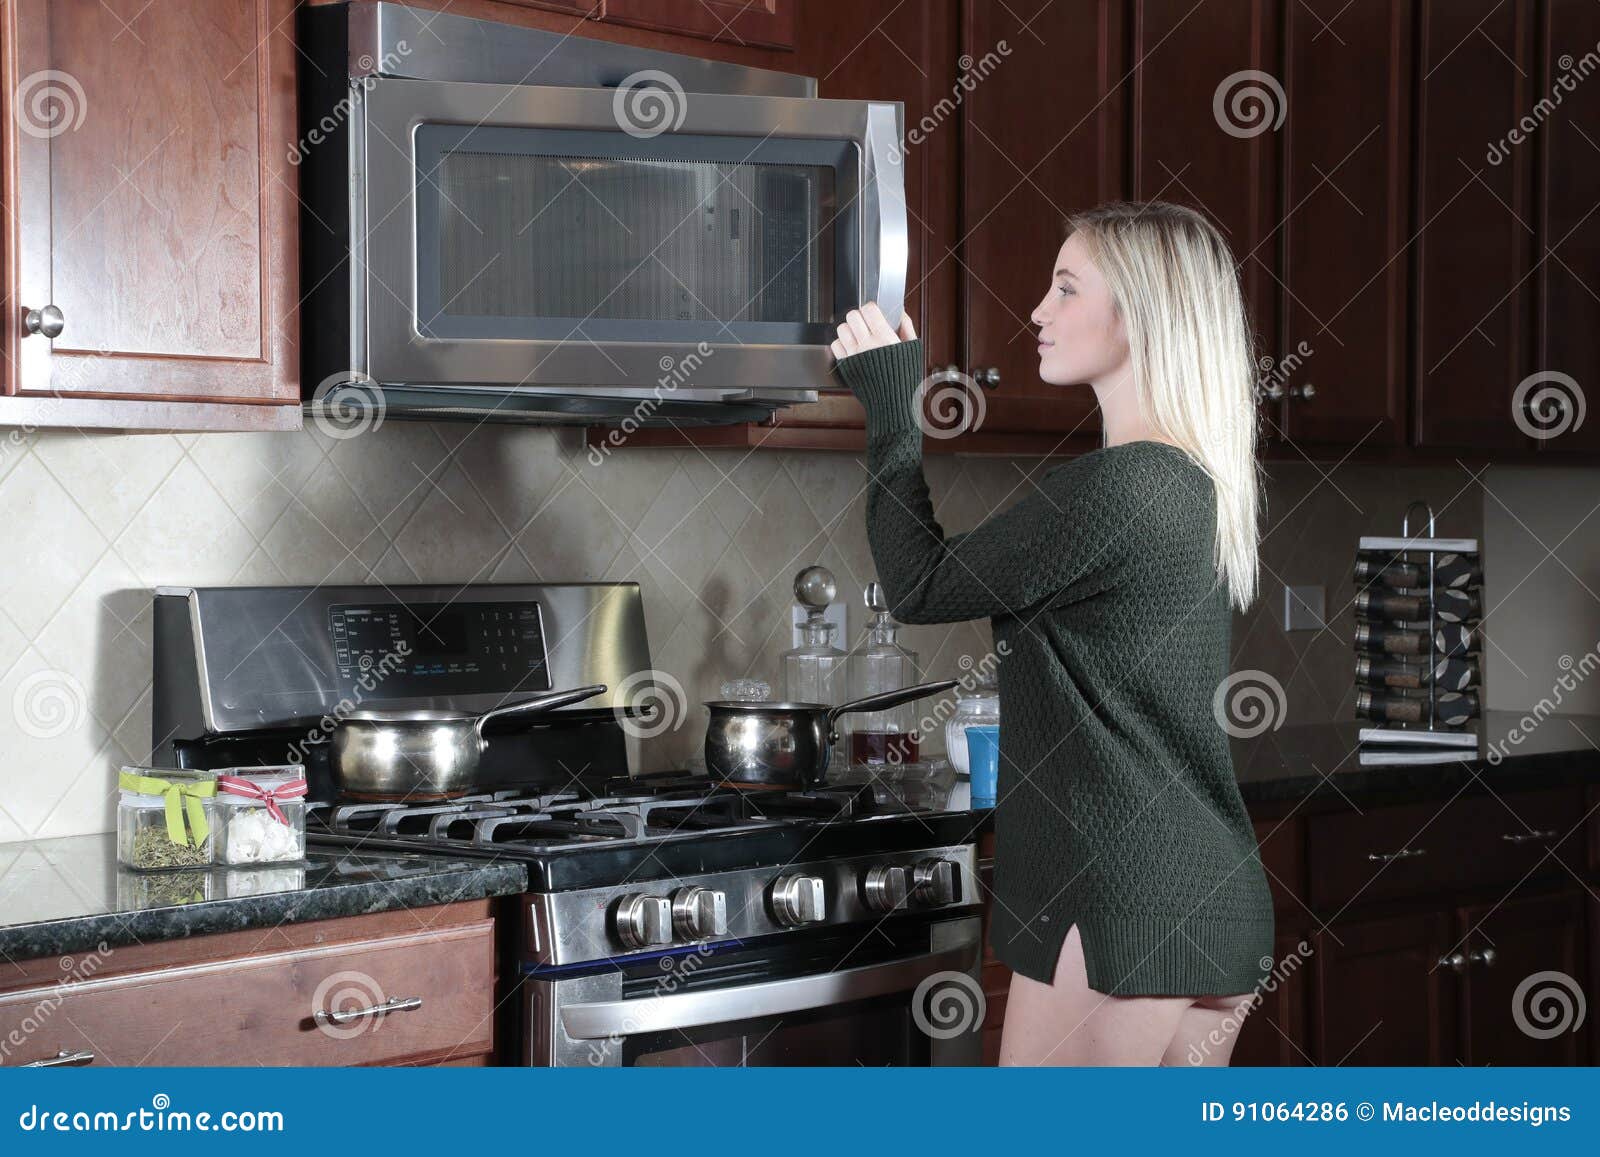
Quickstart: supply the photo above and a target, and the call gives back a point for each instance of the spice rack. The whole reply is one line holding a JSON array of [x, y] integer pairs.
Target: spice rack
[[1418, 654]]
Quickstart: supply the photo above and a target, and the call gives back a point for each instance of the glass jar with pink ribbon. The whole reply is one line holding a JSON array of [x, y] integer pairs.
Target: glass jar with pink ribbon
[[261, 814]]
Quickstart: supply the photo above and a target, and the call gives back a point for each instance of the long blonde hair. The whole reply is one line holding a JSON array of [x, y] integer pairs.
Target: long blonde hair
[[1175, 286]]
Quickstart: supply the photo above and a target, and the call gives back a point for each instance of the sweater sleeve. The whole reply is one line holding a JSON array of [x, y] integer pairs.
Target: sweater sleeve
[[1061, 540]]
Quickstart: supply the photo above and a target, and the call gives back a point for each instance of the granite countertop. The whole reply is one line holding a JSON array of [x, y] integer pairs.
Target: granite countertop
[[69, 895], [1327, 762]]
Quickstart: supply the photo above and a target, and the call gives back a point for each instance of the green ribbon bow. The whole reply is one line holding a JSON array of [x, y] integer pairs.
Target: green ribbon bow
[[179, 798]]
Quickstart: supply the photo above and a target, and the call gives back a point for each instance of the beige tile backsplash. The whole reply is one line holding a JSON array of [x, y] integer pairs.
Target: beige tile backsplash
[[94, 521]]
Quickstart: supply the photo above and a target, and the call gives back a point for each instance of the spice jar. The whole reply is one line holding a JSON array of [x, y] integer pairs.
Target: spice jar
[[975, 706], [164, 818], [261, 814]]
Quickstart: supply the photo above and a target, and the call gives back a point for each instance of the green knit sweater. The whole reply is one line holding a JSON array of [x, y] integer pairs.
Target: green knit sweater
[[1117, 807]]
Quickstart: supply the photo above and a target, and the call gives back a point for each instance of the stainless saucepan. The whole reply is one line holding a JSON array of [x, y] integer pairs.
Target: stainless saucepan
[[423, 754], [787, 744]]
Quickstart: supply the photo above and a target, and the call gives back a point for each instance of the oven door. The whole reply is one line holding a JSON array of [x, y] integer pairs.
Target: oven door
[[903, 993], [516, 234]]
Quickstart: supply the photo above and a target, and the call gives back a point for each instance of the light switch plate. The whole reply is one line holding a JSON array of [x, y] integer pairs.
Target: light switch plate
[[835, 614], [1303, 608]]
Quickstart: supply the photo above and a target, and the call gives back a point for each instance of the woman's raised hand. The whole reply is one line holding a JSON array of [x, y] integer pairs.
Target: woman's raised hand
[[866, 328]]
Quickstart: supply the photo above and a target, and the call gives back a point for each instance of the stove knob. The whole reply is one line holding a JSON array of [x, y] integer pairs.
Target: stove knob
[[884, 888], [935, 882], [643, 921], [798, 900], [700, 912]]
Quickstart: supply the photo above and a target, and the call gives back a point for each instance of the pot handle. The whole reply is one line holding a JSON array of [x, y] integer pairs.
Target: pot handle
[[538, 705], [887, 699]]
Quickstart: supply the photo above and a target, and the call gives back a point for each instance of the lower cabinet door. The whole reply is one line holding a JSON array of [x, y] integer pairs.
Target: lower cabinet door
[[1525, 987], [1382, 996], [427, 996]]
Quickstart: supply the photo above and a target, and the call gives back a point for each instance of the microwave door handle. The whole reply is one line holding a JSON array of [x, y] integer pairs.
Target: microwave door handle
[[602, 1020], [884, 242]]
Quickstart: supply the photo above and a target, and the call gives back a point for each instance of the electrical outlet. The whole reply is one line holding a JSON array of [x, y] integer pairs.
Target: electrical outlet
[[1303, 608]]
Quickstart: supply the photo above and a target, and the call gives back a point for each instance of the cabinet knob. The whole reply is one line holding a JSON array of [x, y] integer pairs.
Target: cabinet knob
[[1271, 393], [1455, 962], [47, 320], [1305, 392], [987, 378], [1483, 956]]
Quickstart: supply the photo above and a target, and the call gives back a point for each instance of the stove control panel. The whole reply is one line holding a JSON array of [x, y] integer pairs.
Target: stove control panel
[[591, 924]]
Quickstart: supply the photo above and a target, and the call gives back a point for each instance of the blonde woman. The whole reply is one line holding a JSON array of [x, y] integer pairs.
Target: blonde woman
[[1129, 897]]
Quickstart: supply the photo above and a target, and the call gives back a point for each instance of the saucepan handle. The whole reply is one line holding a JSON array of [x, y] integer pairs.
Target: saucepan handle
[[888, 699], [539, 704]]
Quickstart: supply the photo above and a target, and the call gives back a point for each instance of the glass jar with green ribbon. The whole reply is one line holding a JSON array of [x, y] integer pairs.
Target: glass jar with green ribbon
[[164, 817]]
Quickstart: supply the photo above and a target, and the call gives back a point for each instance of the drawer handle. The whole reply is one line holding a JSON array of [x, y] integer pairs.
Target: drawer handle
[[1402, 854], [62, 1059], [397, 1004], [1528, 837]]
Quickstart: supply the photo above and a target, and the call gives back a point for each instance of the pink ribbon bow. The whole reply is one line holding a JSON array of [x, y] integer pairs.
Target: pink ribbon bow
[[270, 796]]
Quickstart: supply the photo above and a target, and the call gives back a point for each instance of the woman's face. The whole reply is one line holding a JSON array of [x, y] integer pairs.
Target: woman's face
[[1081, 338]]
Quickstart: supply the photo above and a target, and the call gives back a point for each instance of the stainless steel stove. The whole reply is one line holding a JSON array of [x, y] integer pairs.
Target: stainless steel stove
[[668, 919]]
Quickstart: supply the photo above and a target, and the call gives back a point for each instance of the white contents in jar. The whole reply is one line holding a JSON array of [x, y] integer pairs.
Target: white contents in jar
[[254, 836]]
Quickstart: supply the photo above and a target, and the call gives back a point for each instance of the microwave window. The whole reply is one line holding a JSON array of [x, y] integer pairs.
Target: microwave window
[[521, 242]]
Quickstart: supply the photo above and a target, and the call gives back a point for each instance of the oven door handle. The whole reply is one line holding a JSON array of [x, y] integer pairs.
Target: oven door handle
[[619, 1018]]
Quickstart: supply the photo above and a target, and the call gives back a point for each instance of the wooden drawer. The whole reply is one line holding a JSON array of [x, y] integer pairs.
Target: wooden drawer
[[1478, 841], [258, 1010]]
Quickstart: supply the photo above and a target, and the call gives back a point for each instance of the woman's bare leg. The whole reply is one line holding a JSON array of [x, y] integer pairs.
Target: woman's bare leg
[[1207, 1031], [1069, 1023]]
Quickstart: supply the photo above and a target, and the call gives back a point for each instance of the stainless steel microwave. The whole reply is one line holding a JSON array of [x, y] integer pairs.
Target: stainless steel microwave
[[510, 224]]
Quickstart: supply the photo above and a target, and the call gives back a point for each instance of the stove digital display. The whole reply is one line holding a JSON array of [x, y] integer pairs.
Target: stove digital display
[[406, 651]]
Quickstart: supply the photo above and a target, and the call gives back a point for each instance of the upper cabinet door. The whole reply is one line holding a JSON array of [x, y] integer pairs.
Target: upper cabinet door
[[1567, 419], [1045, 118], [1476, 224], [1347, 147], [151, 245], [758, 23], [1218, 155]]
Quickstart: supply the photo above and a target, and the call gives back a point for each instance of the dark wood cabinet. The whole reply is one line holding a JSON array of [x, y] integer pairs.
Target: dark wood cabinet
[[762, 23], [1567, 143], [1476, 231], [1341, 362], [151, 201], [1219, 155], [1524, 976], [1380, 997], [1042, 135]]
